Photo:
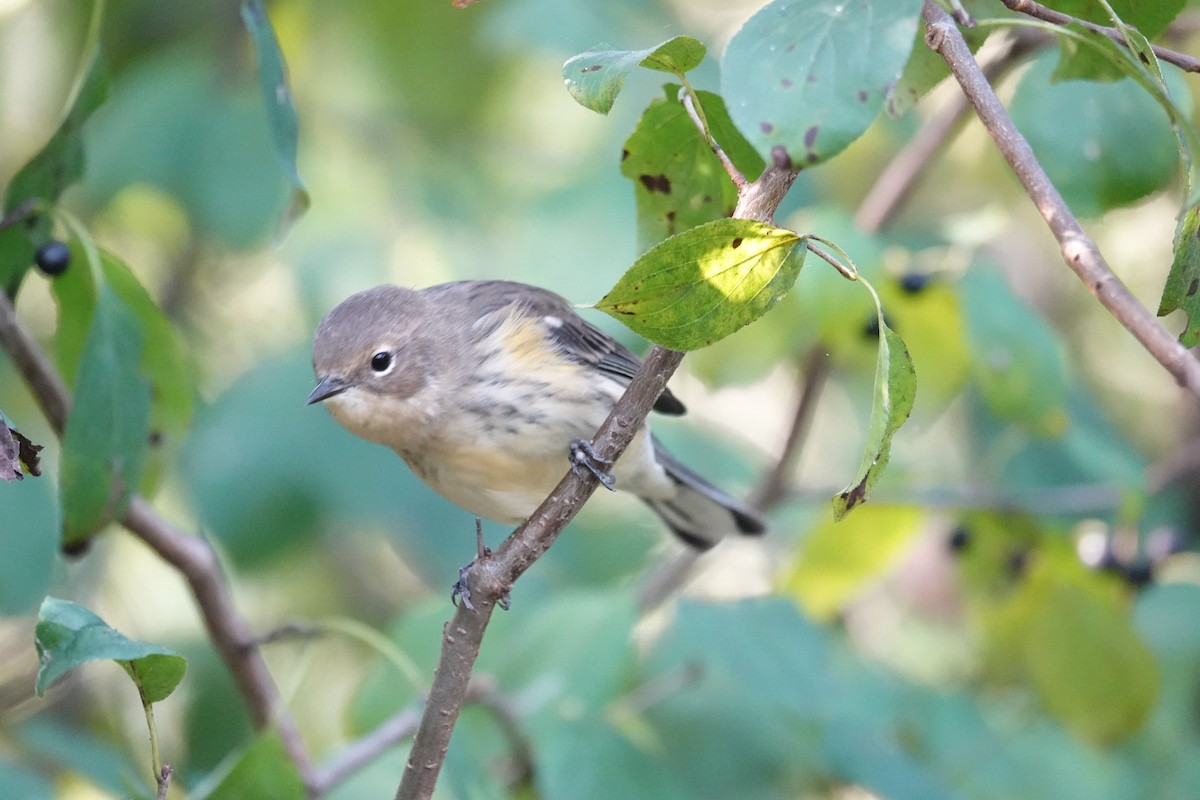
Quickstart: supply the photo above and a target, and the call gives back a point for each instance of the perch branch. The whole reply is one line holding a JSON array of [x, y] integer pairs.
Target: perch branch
[[491, 577], [191, 556], [1078, 250]]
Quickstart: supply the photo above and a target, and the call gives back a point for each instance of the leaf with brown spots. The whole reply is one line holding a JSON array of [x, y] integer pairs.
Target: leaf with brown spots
[[677, 181], [895, 394], [594, 78], [799, 66], [16, 451], [706, 283], [1182, 289]]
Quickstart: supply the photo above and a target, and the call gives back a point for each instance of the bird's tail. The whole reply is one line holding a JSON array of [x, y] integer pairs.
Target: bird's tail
[[701, 514]]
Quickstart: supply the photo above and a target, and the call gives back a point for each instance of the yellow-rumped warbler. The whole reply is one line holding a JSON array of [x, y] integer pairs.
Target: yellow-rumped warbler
[[483, 386]]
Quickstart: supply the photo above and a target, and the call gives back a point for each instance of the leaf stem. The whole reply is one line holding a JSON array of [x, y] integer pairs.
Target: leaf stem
[[846, 267], [691, 102]]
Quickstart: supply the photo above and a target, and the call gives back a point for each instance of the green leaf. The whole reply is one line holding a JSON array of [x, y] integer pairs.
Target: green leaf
[[277, 98], [1104, 145], [75, 294], [678, 182], [262, 771], [30, 533], [706, 283], [58, 165], [176, 125], [594, 78], [69, 635], [1018, 365], [1182, 289], [165, 362], [810, 76], [599, 762], [837, 559], [1072, 637], [105, 442], [895, 393], [1151, 17]]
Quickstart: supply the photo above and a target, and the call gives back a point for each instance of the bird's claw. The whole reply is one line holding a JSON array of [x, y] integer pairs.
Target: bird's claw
[[583, 456], [461, 590]]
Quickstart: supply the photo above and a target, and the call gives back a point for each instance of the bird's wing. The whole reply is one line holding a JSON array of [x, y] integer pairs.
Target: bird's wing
[[578, 339]]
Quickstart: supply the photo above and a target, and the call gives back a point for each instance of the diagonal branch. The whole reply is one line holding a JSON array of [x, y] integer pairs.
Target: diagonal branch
[[1039, 11], [1078, 250], [897, 180], [490, 578], [193, 557]]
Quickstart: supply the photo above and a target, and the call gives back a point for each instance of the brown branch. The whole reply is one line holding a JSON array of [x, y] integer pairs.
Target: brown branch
[[490, 578], [773, 487], [1039, 11], [1078, 250], [900, 176], [735, 175], [43, 380], [23, 211], [163, 779], [363, 751], [192, 557]]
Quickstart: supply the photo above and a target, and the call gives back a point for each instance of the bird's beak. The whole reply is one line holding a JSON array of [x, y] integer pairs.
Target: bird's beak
[[329, 386]]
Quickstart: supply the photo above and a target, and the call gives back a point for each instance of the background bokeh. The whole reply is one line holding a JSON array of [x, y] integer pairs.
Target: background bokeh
[[948, 640]]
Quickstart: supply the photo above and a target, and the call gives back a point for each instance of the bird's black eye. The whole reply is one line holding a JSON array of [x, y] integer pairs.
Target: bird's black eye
[[381, 361]]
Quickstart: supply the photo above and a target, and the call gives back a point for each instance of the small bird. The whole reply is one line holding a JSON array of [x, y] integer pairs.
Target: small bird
[[484, 387]]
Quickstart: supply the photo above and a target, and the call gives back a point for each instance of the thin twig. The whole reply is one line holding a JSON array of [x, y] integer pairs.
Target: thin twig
[[1070, 498], [667, 579], [492, 577], [813, 373], [192, 557], [1183, 461], [43, 380], [364, 750], [20, 213], [656, 690], [735, 175], [163, 779], [831, 260], [227, 628], [897, 179], [485, 692], [1039, 11], [1078, 250]]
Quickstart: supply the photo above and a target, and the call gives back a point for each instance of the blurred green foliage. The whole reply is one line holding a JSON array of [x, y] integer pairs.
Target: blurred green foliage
[[955, 638]]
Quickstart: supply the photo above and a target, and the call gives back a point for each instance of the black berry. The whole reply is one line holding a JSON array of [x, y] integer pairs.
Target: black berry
[[870, 328], [53, 257], [1140, 573], [958, 540], [914, 282]]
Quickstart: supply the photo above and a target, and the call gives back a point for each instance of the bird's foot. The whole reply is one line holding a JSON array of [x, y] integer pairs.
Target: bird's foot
[[461, 589], [583, 456]]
